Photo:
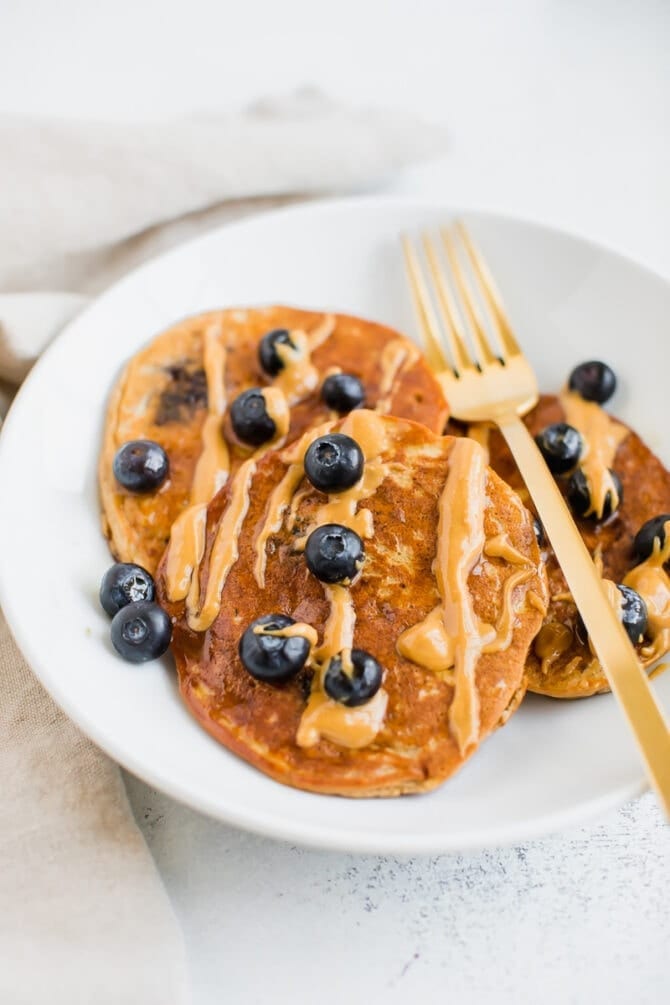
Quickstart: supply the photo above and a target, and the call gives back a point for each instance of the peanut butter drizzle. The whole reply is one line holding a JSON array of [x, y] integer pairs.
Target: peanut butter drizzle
[[297, 630], [552, 641], [349, 727], [282, 497], [187, 535], [652, 582], [460, 545], [427, 643], [277, 408], [480, 432], [396, 355], [299, 376], [460, 542], [338, 633], [504, 630], [602, 437], [323, 717], [371, 434], [533, 600], [500, 546], [224, 554]]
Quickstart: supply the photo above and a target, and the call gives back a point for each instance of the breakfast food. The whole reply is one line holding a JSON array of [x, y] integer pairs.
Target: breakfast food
[[355, 601], [214, 389], [619, 493], [361, 614]]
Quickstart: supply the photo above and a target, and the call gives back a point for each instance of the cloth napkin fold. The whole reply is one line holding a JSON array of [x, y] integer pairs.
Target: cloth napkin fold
[[81, 203], [83, 915]]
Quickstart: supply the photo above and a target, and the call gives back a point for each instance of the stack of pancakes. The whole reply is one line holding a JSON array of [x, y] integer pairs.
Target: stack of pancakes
[[454, 588]]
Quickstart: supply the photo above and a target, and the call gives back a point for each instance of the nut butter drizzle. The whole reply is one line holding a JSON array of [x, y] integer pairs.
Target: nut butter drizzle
[[652, 582], [299, 376], [602, 437], [451, 635], [552, 641], [395, 357], [187, 535], [481, 433], [324, 718], [460, 544], [283, 495]]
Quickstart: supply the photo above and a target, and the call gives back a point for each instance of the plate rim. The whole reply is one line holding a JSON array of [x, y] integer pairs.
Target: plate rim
[[271, 825]]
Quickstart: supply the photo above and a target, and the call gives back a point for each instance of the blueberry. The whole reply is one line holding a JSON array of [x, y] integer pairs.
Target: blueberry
[[123, 584], [633, 617], [538, 530], [342, 392], [358, 688], [579, 496], [268, 356], [561, 446], [250, 419], [647, 534], [334, 462], [334, 554], [273, 658], [141, 466], [595, 381], [633, 614], [141, 631]]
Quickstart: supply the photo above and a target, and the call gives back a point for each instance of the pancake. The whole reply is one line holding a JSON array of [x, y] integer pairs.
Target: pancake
[[447, 542], [176, 392], [569, 668]]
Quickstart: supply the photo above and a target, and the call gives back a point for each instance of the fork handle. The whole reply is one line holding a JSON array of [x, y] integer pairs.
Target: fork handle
[[626, 677]]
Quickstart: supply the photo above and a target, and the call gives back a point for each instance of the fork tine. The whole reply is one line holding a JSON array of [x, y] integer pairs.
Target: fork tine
[[483, 349], [490, 292], [451, 324], [428, 324]]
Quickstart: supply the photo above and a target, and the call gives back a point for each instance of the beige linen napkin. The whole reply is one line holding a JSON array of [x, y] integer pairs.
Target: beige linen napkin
[[84, 917]]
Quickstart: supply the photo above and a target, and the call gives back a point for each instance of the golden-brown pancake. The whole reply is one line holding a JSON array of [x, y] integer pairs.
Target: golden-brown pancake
[[177, 391], [569, 669], [452, 579]]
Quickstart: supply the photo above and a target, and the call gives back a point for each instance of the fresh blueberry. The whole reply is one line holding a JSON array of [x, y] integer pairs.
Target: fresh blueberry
[[579, 496], [273, 658], [595, 381], [268, 356], [334, 554], [123, 584], [633, 614], [647, 534], [363, 684], [538, 530], [334, 462], [342, 392], [141, 631], [633, 617], [561, 446], [141, 466], [250, 419]]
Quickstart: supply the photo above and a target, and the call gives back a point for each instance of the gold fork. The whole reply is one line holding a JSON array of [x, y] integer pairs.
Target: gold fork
[[500, 387]]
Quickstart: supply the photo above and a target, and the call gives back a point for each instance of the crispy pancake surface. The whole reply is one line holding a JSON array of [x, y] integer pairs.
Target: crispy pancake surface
[[415, 747], [162, 395], [575, 672]]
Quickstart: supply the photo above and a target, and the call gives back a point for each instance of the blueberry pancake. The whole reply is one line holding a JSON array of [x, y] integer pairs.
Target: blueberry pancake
[[619, 493], [214, 389], [360, 618]]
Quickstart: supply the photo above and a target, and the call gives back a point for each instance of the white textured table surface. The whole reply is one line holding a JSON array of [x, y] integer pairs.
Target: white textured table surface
[[558, 111]]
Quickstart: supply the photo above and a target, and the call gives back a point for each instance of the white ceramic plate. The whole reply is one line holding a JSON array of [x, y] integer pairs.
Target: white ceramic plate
[[555, 763]]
